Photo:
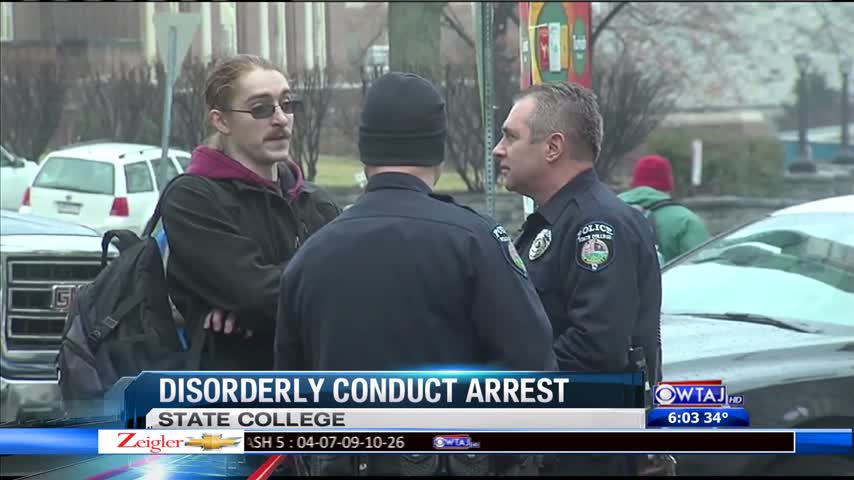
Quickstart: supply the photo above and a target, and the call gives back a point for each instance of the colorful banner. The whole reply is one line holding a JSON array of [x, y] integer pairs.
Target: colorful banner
[[555, 46]]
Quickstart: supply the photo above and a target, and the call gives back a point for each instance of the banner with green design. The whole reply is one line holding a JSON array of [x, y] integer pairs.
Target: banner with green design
[[555, 45]]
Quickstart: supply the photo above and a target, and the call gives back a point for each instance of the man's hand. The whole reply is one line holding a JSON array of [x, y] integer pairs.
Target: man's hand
[[225, 322]]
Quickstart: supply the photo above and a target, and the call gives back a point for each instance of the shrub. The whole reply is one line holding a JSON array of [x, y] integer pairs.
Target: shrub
[[733, 163]]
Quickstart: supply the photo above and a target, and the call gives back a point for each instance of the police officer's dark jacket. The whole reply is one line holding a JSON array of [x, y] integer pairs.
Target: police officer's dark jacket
[[592, 259], [230, 235], [406, 279]]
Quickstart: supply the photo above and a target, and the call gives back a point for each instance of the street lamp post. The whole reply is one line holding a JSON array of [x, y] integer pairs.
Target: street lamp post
[[804, 163], [803, 62], [845, 70]]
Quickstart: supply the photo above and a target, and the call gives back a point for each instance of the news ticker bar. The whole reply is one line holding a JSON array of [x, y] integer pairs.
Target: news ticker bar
[[207, 441], [399, 418]]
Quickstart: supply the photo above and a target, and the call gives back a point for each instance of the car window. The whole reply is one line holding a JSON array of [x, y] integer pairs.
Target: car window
[[184, 161], [78, 175], [796, 266], [171, 171], [5, 159], [138, 178]]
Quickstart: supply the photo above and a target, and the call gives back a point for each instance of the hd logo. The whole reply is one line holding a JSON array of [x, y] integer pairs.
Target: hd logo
[[694, 394]]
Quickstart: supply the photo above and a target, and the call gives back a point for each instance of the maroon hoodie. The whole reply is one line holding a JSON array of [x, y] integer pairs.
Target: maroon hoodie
[[229, 246], [211, 163]]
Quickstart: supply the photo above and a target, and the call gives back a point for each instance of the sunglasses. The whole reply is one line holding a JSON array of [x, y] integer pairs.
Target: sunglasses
[[266, 111]]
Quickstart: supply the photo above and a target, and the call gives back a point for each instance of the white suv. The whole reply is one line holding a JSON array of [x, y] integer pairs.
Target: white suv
[[16, 174], [103, 186]]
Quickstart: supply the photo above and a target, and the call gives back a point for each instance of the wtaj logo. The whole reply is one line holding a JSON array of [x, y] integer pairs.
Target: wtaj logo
[[169, 441], [454, 442], [694, 394]]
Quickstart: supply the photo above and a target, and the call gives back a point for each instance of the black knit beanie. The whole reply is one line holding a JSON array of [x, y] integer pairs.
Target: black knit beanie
[[403, 122]]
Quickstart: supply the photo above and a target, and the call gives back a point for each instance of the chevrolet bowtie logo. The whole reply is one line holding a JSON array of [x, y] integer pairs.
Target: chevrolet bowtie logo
[[212, 442]]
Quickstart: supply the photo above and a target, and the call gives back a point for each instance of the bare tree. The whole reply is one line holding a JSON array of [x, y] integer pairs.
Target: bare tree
[[633, 102], [189, 127], [464, 144], [678, 39], [33, 95], [414, 34], [506, 78], [314, 88], [119, 105]]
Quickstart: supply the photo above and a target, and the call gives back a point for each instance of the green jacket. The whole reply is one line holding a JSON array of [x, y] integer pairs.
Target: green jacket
[[678, 228]]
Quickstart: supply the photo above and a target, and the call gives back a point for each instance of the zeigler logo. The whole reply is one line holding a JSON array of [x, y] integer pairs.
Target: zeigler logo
[[169, 441]]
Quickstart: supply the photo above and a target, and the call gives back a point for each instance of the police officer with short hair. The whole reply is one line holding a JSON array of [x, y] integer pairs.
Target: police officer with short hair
[[591, 257], [407, 279]]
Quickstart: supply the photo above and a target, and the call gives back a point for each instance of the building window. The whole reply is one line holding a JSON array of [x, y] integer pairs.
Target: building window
[[7, 23]]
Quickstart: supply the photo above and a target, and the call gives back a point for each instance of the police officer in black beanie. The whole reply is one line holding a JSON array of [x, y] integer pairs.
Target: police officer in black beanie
[[407, 279]]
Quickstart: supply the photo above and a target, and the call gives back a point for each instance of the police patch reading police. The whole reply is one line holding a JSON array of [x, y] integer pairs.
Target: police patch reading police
[[595, 246]]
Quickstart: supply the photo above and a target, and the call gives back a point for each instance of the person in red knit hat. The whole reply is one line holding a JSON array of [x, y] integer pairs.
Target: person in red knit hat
[[677, 228]]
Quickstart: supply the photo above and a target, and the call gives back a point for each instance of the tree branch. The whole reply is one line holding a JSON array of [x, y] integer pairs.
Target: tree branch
[[605, 21], [451, 21]]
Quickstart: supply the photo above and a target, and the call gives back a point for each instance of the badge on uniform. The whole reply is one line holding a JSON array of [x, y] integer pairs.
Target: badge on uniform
[[594, 247], [540, 245], [509, 250]]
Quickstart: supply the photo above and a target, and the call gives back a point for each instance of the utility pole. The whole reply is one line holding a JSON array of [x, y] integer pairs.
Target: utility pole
[[486, 13]]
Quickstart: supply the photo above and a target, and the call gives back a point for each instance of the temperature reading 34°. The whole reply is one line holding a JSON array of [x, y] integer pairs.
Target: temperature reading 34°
[[715, 417]]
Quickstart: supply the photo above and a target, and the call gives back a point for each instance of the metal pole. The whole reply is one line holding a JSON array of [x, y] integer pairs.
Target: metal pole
[[486, 9], [846, 139], [802, 116], [171, 74]]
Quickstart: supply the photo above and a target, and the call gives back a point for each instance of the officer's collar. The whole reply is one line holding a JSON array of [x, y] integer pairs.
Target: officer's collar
[[557, 204], [403, 181]]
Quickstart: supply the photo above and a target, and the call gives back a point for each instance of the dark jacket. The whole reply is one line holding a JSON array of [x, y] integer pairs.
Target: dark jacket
[[597, 274], [230, 236], [417, 281], [593, 260], [407, 279]]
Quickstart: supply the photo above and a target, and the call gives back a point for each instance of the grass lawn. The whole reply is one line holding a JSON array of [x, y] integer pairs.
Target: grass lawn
[[334, 171]]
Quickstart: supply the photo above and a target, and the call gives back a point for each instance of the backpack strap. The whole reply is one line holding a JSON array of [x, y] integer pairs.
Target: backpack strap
[[126, 239], [667, 202], [103, 328], [197, 341], [158, 209]]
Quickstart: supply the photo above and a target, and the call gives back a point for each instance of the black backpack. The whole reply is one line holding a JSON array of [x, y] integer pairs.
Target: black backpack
[[121, 323]]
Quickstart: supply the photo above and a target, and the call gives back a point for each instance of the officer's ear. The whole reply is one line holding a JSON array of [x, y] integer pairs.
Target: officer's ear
[[556, 146]]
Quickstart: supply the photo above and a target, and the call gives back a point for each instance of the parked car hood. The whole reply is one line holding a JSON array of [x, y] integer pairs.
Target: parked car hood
[[748, 356], [13, 223]]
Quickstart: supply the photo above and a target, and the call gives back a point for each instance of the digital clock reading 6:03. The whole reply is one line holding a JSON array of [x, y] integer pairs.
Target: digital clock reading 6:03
[[698, 417]]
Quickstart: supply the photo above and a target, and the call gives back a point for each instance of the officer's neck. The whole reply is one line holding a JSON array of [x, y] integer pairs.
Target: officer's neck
[[428, 175], [559, 176]]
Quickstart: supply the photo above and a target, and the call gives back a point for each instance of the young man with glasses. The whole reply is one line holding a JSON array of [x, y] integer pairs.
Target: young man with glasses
[[234, 222]]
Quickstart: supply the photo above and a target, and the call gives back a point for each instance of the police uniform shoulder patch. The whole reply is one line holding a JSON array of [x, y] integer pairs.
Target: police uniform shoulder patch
[[509, 250], [594, 246]]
